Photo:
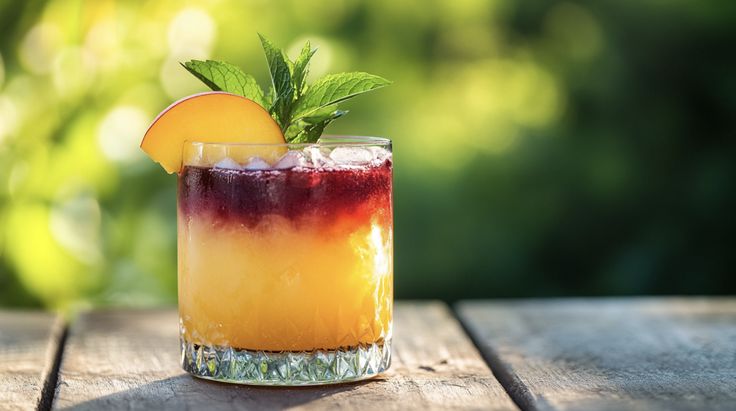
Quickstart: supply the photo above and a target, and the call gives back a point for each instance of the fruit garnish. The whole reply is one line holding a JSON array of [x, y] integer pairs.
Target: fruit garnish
[[302, 111], [215, 117], [238, 111]]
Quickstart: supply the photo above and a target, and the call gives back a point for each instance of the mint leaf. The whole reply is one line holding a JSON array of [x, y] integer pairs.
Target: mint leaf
[[221, 76], [335, 88], [309, 129], [281, 81], [296, 131], [301, 68], [269, 97], [324, 114]]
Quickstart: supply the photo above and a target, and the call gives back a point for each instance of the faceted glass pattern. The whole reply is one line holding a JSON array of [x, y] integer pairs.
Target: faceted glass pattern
[[228, 364]]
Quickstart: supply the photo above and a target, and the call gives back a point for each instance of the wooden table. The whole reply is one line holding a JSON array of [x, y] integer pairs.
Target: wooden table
[[568, 354]]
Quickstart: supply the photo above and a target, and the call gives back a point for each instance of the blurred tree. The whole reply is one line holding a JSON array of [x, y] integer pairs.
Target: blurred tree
[[542, 148]]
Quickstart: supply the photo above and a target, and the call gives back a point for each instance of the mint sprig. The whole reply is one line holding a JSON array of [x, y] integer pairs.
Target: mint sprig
[[309, 129], [302, 111], [301, 68], [335, 88], [221, 76], [281, 82]]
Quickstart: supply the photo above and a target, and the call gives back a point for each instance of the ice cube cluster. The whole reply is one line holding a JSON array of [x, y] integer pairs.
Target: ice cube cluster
[[313, 157]]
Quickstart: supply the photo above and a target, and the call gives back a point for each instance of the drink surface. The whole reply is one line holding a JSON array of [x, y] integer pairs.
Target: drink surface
[[286, 260]]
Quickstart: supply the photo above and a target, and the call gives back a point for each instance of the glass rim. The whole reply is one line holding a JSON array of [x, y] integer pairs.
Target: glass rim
[[330, 140]]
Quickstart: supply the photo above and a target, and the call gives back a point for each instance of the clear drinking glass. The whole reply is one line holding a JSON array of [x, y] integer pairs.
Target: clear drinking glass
[[286, 261]]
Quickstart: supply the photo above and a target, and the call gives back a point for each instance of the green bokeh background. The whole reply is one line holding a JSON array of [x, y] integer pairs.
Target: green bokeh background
[[541, 148]]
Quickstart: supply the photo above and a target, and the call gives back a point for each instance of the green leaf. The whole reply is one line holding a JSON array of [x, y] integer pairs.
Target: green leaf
[[335, 88], [270, 97], [309, 129], [322, 114], [221, 76], [281, 81], [301, 68]]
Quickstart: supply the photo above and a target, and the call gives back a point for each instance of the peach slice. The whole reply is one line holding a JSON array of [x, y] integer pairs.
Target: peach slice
[[212, 117]]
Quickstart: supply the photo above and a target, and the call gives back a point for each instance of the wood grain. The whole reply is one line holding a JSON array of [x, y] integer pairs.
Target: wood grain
[[130, 360], [617, 354], [28, 346]]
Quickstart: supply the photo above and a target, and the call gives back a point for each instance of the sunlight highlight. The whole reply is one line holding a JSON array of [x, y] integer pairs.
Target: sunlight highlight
[[39, 47], [8, 117], [191, 33], [119, 133]]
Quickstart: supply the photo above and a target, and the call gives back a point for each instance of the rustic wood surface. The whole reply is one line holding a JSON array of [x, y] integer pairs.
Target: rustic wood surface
[[617, 354], [28, 346], [130, 360]]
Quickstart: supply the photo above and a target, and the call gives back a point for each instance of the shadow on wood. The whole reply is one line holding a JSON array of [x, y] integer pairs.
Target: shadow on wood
[[185, 391]]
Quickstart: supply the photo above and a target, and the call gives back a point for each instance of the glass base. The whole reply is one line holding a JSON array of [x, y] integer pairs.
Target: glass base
[[319, 367]]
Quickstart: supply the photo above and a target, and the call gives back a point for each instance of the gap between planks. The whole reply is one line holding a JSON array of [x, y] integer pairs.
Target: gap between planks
[[514, 387], [30, 343], [53, 364]]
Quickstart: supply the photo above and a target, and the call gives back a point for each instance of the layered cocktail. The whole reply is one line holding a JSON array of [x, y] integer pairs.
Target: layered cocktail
[[285, 269], [285, 237]]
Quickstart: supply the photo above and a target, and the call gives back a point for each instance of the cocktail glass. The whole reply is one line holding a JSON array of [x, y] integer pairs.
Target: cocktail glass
[[286, 261]]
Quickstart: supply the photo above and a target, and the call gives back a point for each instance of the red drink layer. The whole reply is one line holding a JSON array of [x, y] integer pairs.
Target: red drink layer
[[242, 196]]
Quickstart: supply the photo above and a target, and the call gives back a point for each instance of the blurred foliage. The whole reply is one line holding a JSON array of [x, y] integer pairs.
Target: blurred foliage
[[541, 148]]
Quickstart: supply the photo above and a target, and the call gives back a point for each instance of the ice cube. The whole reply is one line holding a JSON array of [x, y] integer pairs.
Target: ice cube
[[257, 163], [351, 156], [228, 164], [317, 157], [380, 154], [290, 160]]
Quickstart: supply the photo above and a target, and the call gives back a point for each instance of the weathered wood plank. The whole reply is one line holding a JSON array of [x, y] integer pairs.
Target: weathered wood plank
[[130, 360], [28, 346], [591, 354]]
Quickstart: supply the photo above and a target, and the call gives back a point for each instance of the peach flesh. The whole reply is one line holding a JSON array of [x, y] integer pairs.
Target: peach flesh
[[211, 117]]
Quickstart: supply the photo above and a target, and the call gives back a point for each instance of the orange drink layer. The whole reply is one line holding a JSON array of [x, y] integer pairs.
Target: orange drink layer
[[299, 259]]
